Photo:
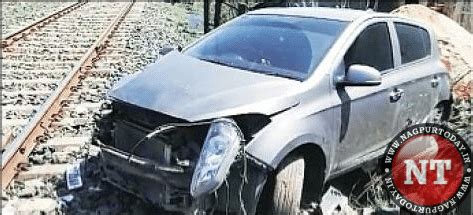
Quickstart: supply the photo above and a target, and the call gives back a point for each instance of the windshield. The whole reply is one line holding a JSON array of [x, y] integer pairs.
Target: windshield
[[285, 46]]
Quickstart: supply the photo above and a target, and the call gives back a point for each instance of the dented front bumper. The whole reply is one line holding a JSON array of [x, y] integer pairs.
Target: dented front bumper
[[165, 186], [158, 165], [169, 188]]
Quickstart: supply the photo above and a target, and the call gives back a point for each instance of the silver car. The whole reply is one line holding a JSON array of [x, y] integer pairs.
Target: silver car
[[258, 114]]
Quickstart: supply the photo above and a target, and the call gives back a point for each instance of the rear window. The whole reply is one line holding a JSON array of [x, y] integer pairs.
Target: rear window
[[414, 42]]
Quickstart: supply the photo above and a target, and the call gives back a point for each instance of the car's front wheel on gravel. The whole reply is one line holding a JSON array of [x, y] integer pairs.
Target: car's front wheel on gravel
[[288, 186]]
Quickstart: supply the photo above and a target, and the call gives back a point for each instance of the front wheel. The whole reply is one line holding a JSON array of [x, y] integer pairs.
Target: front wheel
[[288, 186]]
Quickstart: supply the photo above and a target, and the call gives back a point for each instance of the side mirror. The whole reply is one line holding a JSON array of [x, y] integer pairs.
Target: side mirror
[[361, 75]]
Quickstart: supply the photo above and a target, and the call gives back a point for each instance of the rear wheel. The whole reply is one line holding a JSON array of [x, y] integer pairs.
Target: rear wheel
[[288, 184]]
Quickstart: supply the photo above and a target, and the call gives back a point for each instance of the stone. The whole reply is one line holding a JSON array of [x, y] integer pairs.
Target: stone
[[8, 207], [60, 157], [334, 202], [62, 143], [71, 149], [27, 192], [4, 196], [43, 171], [94, 150], [37, 159], [67, 198], [37, 206]]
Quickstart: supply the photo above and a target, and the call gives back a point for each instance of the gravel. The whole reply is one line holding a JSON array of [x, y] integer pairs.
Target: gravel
[[17, 15], [147, 29], [35, 66]]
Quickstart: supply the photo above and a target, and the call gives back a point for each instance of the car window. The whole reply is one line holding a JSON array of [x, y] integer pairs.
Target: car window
[[278, 45], [372, 48], [414, 42]]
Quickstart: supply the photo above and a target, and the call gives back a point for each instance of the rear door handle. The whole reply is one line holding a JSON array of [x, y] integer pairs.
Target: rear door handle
[[434, 82], [396, 94]]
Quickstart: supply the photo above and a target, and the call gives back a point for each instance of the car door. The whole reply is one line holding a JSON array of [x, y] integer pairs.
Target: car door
[[416, 69], [369, 114]]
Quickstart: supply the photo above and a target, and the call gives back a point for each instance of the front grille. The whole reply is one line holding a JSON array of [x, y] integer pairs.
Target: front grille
[[141, 116], [169, 158], [176, 147], [127, 135]]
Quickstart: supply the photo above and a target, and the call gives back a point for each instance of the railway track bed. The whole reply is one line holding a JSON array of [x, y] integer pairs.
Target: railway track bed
[[55, 85]]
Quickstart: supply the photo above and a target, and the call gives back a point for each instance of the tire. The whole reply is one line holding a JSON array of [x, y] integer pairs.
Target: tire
[[288, 184]]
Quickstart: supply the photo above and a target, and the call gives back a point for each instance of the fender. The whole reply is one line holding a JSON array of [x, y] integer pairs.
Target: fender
[[286, 133]]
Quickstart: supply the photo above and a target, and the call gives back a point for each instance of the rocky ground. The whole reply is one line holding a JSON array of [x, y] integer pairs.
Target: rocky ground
[[146, 30], [16, 15], [51, 195]]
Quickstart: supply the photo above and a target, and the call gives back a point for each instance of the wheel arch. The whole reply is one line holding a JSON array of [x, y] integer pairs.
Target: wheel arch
[[315, 170], [446, 106], [445, 102], [312, 152], [283, 146]]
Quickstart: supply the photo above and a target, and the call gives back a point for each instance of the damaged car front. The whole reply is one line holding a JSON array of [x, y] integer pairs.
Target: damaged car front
[[171, 161], [183, 153], [177, 131], [166, 164]]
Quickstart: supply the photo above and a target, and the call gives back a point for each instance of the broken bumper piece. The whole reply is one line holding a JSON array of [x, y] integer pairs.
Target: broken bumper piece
[[169, 188], [165, 186], [165, 171]]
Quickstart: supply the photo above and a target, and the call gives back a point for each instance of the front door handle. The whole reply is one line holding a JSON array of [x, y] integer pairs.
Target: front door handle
[[396, 94], [434, 82]]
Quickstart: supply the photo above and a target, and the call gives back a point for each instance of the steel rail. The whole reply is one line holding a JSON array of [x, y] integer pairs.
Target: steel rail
[[16, 35], [17, 152]]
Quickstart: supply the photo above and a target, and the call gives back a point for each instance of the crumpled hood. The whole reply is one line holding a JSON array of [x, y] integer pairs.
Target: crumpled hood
[[188, 88]]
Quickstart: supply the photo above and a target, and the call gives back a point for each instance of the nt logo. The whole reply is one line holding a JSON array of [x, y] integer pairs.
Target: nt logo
[[421, 174], [427, 169]]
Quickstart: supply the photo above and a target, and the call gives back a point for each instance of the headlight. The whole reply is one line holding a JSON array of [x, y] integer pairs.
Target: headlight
[[217, 155]]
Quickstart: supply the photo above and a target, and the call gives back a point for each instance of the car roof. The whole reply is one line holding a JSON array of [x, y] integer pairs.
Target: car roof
[[342, 14]]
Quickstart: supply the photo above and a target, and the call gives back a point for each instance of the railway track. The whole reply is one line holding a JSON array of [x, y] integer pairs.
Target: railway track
[[17, 15], [61, 137], [51, 105], [14, 35], [40, 72]]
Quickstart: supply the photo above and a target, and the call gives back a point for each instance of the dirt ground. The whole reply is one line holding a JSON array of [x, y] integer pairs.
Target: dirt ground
[[97, 197]]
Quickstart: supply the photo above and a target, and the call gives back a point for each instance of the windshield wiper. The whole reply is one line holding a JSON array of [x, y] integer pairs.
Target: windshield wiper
[[282, 75], [214, 61], [275, 72]]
